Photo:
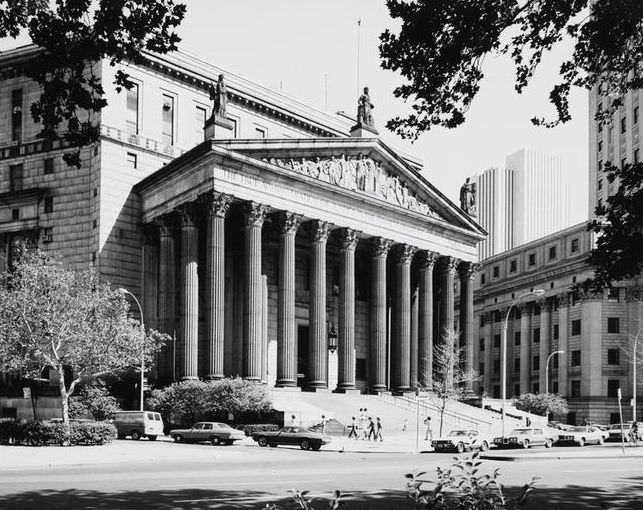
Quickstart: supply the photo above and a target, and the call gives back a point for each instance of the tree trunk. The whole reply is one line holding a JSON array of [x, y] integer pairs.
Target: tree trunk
[[64, 402], [444, 404]]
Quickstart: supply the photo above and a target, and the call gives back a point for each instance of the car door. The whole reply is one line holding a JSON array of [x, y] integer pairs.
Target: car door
[[288, 435], [538, 437], [193, 433], [206, 432]]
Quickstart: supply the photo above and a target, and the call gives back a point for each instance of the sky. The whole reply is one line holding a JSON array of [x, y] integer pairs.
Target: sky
[[308, 50]]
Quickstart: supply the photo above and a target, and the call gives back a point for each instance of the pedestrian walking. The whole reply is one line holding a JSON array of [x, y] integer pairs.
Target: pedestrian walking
[[323, 424], [292, 420], [371, 428], [428, 434], [361, 426], [366, 425], [405, 424], [352, 429], [634, 433], [378, 430]]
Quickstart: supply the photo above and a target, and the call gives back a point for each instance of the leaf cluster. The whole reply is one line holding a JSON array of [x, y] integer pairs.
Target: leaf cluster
[[302, 501], [441, 47], [542, 403], [95, 401]]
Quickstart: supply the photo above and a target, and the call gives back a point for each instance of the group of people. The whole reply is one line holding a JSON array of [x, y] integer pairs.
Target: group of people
[[364, 427]]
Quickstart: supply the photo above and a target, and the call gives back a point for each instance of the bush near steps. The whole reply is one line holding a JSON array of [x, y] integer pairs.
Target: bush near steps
[[44, 433]]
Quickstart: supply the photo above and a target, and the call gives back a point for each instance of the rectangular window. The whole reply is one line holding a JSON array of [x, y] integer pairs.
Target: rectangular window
[[16, 115], [167, 119], [613, 294], [552, 252], [516, 365], [536, 388], [536, 309], [576, 389], [574, 245], [517, 338], [49, 204], [536, 335], [635, 115], [131, 107], [613, 325], [482, 344], [532, 259], [201, 115], [15, 214], [496, 366], [555, 361], [613, 357], [536, 363], [576, 327], [576, 358], [132, 160], [15, 177], [612, 387], [261, 132], [513, 265], [496, 341], [360, 368], [623, 125], [556, 331], [496, 271], [49, 166], [481, 368]]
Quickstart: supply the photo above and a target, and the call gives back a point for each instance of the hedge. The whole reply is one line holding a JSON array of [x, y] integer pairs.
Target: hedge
[[250, 429], [43, 433]]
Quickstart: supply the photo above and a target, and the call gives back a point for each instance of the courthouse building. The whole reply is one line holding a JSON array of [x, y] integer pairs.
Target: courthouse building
[[286, 245]]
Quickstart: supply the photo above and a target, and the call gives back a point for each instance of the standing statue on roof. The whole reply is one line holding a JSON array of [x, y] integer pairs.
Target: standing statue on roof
[[364, 110], [468, 198], [219, 94]]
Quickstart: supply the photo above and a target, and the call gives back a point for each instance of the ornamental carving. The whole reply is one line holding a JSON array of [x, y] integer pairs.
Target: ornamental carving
[[360, 174], [428, 259], [288, 222], [348, 238], [188, 214], [319, 230], [217, 203], [381, 246], [448, 264], [467, 270], [404, 253], [165, 225], [255, 214]]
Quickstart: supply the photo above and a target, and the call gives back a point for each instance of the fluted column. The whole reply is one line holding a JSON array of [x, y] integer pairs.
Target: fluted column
[[466, 271], [318, 345], [525, 340], [217, 205], [447, 273], [346, 341], [401, 339], [189, 291], [255, 215], [378, 352], [425, 319], [166, 290], [545, 344], [414, 337], [286, 327]]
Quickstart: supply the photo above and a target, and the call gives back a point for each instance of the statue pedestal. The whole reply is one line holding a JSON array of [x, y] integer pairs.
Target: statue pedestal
[[218, 127], [360, 130]]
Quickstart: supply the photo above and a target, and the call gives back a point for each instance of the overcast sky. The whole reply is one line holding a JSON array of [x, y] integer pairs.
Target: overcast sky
[[292, 45]]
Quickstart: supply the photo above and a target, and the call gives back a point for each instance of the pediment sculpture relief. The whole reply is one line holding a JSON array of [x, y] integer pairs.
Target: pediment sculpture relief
[[360, 174]]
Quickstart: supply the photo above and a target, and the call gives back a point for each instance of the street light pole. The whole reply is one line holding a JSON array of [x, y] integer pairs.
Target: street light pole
[[547, 368], [636, 339], [125, 291]]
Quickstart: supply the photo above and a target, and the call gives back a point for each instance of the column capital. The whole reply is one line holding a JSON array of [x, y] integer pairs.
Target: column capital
[[380, 246], [404, 253], [165, 225], [288, 222], [563, 300], [320, 230], [255, 214], [467, 270], [427, 259], [187, 213], [217, 204], [348, 238], [149, 234], [448, 264]]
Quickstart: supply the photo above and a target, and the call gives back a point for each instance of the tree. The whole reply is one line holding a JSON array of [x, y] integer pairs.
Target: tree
[[542, 403], [450, 380], [74, 36], [93, 400], [54, 316], [441, 47], [618, 253]]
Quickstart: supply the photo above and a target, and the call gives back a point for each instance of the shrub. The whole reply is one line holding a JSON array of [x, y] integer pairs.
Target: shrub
[[92, 433], [43, 433], [93, 401], [250, 429], [9, 430], [542, 403]]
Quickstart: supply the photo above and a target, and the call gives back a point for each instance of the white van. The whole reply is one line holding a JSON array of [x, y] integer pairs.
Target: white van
[[138, 424]]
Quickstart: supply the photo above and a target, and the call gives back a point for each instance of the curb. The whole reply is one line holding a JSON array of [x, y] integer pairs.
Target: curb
[[520, 458]]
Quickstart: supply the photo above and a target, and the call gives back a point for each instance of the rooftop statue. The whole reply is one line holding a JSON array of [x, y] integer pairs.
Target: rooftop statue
[[365, 109], [468, 198], [219, 94]]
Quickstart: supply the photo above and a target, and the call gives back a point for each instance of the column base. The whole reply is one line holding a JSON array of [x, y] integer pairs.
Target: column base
[[213, 377], [285, 383], [403, 392], [374, 390], [253, 379], [347, 391], [189, 378], [287, 389], [314, 389]]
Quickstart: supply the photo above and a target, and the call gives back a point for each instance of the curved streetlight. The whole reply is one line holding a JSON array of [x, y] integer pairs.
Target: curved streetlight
[[636, 340], [125, 291], [503, 355], [547, 368]]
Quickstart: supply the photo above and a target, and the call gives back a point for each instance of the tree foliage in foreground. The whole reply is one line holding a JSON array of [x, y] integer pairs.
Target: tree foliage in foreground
[[54, 316], [542, 403], [441, 48], [93, 401], [75, 35]]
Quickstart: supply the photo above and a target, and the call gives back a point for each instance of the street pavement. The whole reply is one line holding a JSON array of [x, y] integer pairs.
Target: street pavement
[[165, 476]]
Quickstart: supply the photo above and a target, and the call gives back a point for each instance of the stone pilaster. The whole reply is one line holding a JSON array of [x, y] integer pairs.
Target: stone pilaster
[[525, 340], [447, 273], [189, 291], [378, 353], [401, 338], [487, 334], [286, 327], [346, 340], [255, 215], [425, 319], [318, 347], [414, 337], [545, 344], [217, 205], [563, 318], [149, 271], [466, 271], [264, 329], [166, 291]]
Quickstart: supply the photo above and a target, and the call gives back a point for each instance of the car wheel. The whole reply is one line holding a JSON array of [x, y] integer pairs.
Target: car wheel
[[316, 447], [460, 448], [178, 438], [305, 445], [262, 441], [525, 443], [484, 447], [215, 440], [549, 443], [581, 441], [136, 435], [152, 438]]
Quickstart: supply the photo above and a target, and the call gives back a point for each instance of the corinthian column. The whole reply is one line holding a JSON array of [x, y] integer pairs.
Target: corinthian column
[[166, 289], [255, 215], [217, 205], [401, 340], [378, 352], [189, 291], [467, 270], [447, 273], [346, 345], [318, 347], [286, 336], [425, 320]]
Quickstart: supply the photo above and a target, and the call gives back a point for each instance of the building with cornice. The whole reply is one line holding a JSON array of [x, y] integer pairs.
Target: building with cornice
[[279, 244]]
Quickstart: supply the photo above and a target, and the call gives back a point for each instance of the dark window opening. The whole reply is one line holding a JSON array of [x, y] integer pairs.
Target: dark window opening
[[613, 325], [576, 358], [613, 357]]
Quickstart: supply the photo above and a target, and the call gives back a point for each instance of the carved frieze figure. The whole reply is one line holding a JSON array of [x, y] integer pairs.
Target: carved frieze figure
[[365, 109], [219, 94], [468, 197]]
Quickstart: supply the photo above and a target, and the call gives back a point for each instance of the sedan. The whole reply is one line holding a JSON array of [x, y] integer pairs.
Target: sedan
[[580, 436], [460, 441], [213, 432], [306, 439], [524, 438]]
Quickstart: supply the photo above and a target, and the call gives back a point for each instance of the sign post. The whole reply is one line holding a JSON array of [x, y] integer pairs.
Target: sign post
[[620, 413]]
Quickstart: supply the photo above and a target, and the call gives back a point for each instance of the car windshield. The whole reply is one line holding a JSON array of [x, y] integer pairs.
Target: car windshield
[[579, 429], [459, 433], [521, 431]]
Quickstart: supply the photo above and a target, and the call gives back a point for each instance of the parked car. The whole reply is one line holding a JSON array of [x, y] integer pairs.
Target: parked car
[[460, 441], [138, 424], [615, 432], [524, 438], [213, 432], [581, 436], [305, 438]]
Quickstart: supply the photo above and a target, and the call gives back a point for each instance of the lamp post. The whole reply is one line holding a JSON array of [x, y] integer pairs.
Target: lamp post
[[547, 368], [125, 291], [503, 354], [636, 339]]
